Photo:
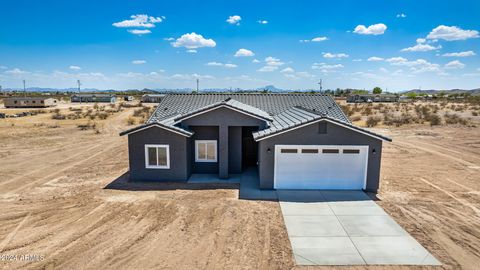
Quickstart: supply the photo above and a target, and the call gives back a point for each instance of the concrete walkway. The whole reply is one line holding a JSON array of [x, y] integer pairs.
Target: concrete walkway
[[346, 228]]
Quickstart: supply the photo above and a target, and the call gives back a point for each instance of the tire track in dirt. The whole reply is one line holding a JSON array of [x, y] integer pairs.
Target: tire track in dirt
[[451, 195], [70, 165], [459, 153], [10, 236]]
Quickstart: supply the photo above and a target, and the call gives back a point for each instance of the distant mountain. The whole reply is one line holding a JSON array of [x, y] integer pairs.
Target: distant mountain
[[473, 92]]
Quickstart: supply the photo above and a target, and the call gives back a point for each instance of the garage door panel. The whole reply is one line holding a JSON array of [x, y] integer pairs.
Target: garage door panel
[[320, 170]]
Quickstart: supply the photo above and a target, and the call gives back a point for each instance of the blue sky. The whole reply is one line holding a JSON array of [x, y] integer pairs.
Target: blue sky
[[396, 45]]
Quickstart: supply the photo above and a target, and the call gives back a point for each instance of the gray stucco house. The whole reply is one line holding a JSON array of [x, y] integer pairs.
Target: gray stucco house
[[296, 141]]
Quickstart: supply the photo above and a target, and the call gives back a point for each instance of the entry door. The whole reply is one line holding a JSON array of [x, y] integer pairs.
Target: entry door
[[320, 167]]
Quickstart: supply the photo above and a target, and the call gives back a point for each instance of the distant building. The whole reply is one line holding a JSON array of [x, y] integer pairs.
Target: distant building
[[361, 98], [128, 98], [152, 98], [103, 98], [29, 102]]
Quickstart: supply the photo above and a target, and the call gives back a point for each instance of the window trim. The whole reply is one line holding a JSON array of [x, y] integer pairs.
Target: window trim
[[197, 159], [167, 147]]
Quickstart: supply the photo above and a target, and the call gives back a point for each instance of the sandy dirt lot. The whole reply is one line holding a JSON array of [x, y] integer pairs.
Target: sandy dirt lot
[[54, 204]]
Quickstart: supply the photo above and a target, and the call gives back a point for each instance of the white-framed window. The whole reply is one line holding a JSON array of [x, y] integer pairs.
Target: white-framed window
[[157, 156], [205, 151]]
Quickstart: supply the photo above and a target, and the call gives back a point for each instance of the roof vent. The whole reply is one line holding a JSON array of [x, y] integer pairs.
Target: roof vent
[[324, 114], [165, 109], [227, 99]]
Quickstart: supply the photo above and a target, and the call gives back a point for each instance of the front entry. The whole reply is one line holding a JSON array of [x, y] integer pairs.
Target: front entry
[[249, 147]]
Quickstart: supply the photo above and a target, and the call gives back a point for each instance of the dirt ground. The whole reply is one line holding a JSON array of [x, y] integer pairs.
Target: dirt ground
[[57, 213]]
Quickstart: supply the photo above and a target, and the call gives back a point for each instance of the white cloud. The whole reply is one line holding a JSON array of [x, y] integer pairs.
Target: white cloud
[[262, 21], [375, 59], [193, 41], [244, 53], [450, 33], [460, 54], [16, 71], [217, 64], [139, 62], [357, 60], [190, 77], [315, 39], [255, 61], [421, 40], [384, 70], [454, 65], [287, 70], [272, 61], [375, 29], [416, 66], [267, 68], [169, 39], [191, 51], [139, 32], [3, 67], [335, 55], [396, 60], [421, 48], [74, 67], [235, 19], [140, 20], [325, 67], [401, 15], [318, 39]]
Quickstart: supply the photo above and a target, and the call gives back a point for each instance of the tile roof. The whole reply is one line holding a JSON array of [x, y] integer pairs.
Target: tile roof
[[282, 111], [232, 103], [298, 116], [272, 104]]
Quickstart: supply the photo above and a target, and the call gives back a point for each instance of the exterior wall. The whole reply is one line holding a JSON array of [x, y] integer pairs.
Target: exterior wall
[[222, 119], [235, 149], [203, 133], [336, 135], [155, 135], [93, 98], [29, 102]]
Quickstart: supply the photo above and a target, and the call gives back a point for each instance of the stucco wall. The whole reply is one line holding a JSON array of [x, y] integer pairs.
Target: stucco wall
[[235, 149], [336, 135], [178, 160], [203, 133]]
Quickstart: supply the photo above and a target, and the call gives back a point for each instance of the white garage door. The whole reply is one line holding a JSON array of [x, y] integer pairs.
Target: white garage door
[[320, 166]]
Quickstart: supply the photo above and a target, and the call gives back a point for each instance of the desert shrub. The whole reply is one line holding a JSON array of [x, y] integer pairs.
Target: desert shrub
[[367, 110], [103, 115], [347, 110], [131, 121], [87, 126], [474, 113], [53, 126], [95, 106], [434, 119], [398, 121], [453, 119], [373, 121], [58, 116]]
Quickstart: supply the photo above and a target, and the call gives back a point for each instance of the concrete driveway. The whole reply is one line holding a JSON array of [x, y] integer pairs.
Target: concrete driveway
[[346, 228]]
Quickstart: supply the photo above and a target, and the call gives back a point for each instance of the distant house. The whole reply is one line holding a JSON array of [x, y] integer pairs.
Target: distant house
[[361, 98], [152, 98], [294, 141], [29, 102], [128, 98], [102, 98]]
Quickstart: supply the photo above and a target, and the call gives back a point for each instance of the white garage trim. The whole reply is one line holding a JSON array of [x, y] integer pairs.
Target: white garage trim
[[299, 148]]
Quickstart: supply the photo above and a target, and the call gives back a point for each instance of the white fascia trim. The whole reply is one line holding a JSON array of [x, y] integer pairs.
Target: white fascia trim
[[316, 121], [222, 106], [159, 126]]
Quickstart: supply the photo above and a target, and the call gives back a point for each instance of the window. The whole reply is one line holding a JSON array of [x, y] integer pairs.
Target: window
[[330, 151], [33, 101], [290, 151], [157, 156], [309, 151], [322, 128], [351, 151], [206, 151]]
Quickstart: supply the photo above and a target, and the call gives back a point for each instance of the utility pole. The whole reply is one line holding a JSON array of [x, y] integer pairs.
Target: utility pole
[[78, 84], [24, 89], [320, 85], [198, 81]]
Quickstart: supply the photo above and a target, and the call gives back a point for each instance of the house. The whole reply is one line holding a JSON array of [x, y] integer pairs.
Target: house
[[152, 98], [372, 98], [128, 98], [101, 98], [29, 102], [296, 141]]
